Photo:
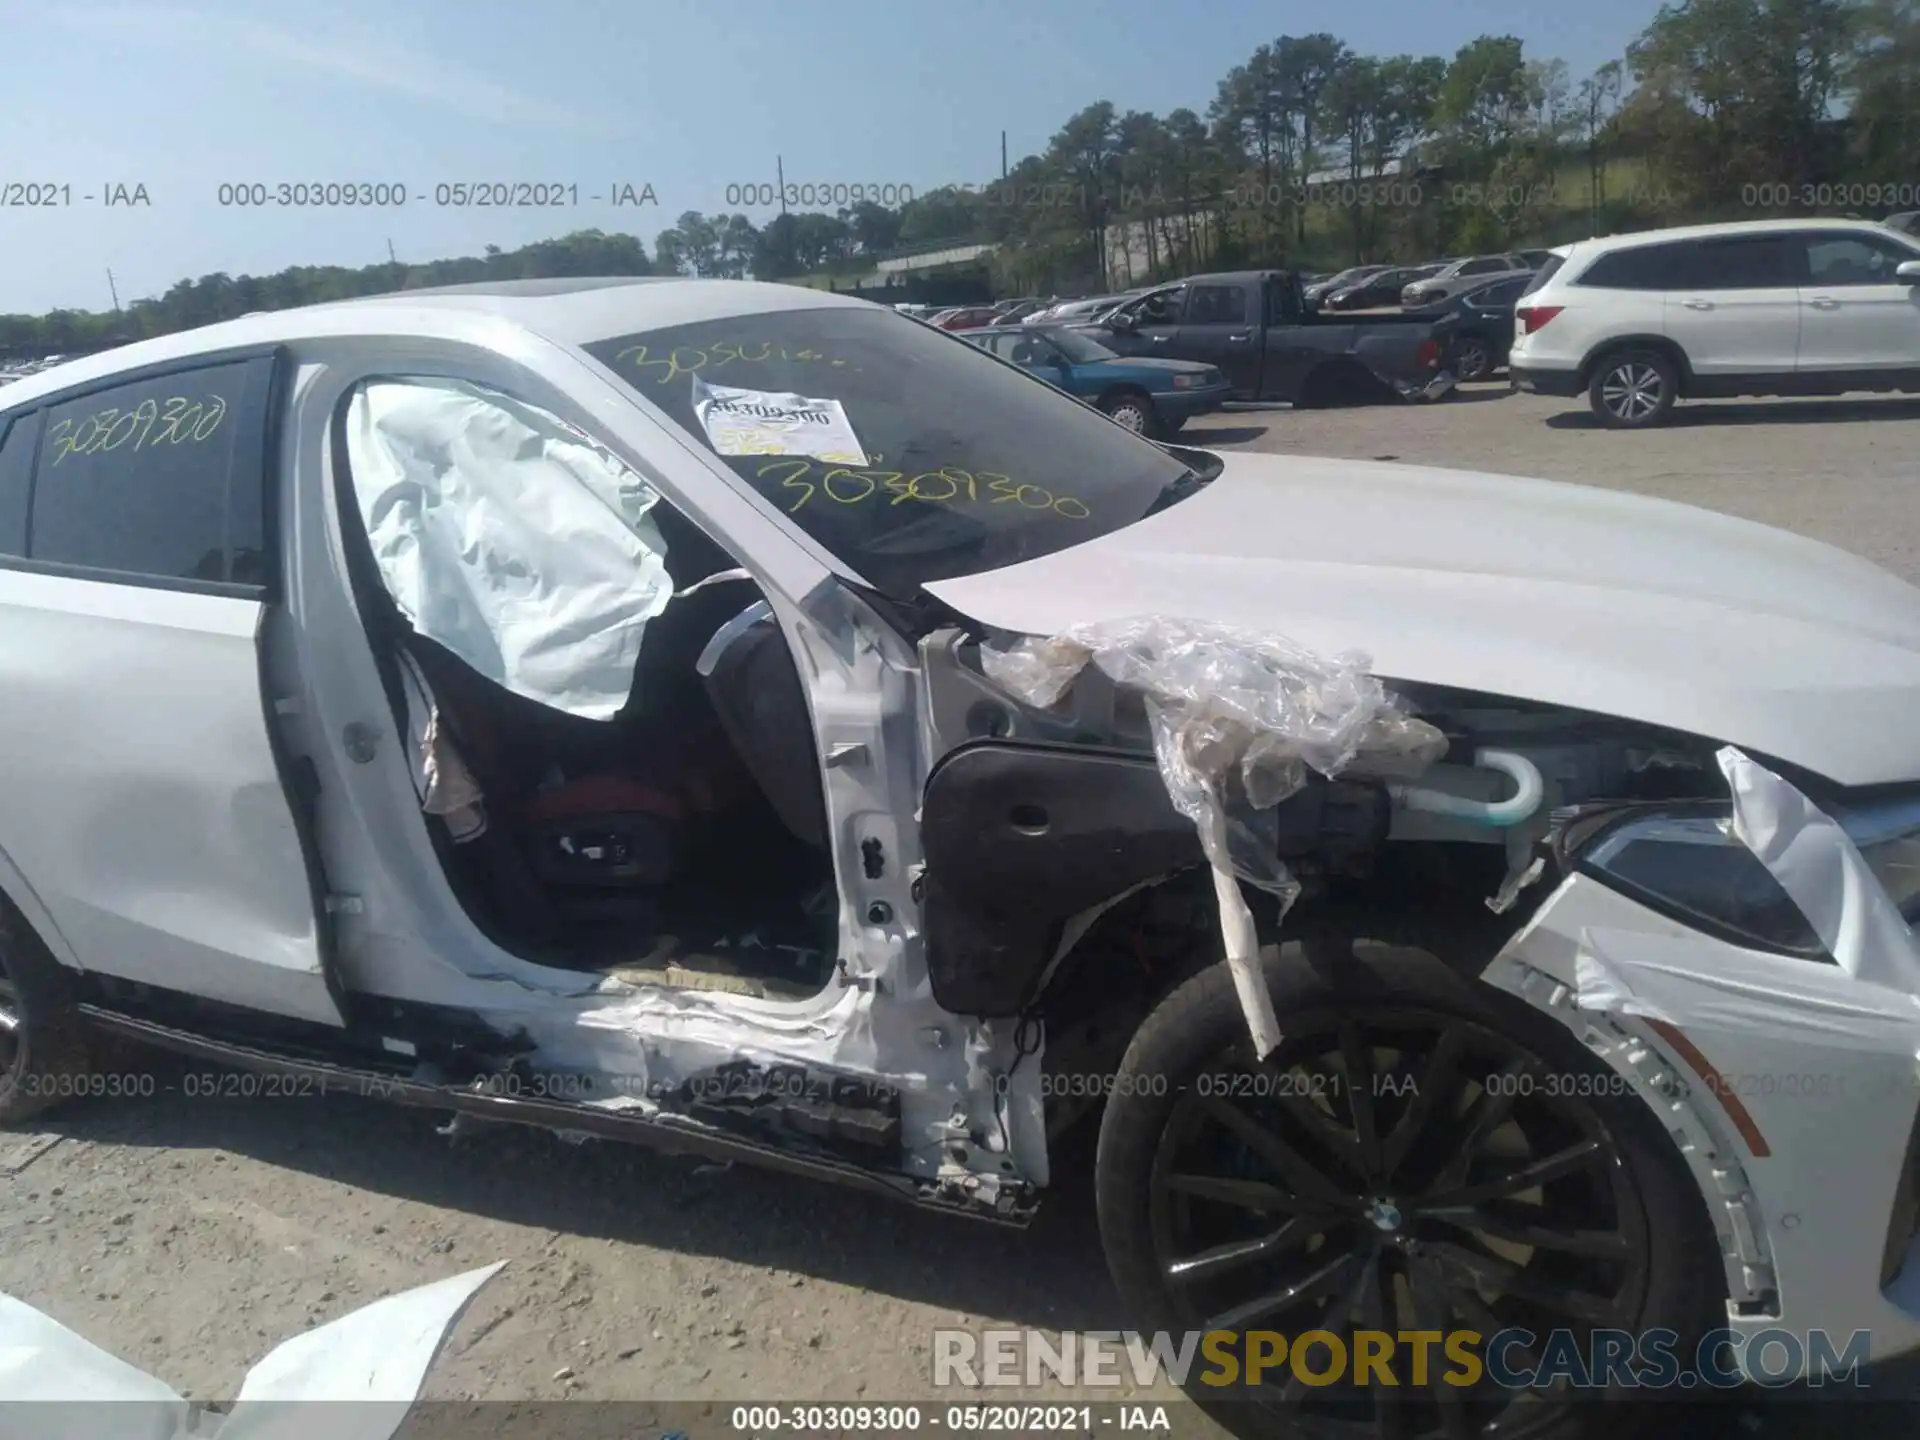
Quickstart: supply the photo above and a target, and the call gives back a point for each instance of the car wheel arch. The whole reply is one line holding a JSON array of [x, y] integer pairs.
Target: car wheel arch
[[1700, 1139], [1123, 390], [1617, 344], [20, 906]]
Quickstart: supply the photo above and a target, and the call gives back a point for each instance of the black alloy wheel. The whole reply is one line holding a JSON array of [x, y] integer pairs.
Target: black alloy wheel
[[1394, 1166]]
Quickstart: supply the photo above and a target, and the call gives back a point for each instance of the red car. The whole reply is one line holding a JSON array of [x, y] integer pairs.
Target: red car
[[969, 317]]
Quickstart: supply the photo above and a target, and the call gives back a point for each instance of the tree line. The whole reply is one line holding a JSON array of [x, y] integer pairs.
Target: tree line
[[1307, 154]]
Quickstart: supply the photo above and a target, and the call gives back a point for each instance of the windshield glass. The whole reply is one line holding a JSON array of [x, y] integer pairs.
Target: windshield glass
[[1079, 347], [906, 452]]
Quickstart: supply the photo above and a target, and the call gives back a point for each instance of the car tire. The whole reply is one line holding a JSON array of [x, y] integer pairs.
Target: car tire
[[1472, 358], [1134, 412], [45, 1048], [1167, 1197], [1633, 389]]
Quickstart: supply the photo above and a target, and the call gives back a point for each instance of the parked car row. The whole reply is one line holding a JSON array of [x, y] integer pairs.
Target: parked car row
[[1155, 360], [1762, 307]]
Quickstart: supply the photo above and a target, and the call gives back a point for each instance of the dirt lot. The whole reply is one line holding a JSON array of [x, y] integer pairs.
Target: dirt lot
[[188, 1234]]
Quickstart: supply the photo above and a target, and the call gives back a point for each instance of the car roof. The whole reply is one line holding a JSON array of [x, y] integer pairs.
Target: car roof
[[1723, 228], [569, 311]]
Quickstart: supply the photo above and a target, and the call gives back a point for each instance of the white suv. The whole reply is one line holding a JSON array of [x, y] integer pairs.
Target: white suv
[[1768, 307]]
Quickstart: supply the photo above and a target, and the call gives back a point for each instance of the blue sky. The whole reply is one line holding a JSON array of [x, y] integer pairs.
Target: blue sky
[[687, 96]]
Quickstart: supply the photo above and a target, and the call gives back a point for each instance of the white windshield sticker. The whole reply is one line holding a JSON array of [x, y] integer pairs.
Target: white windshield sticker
[[764, 422]]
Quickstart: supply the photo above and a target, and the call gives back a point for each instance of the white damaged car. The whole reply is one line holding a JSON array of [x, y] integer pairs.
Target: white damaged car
[[743, 720]]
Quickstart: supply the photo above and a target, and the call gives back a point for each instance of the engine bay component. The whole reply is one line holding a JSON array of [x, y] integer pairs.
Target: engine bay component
[[1239, 718]]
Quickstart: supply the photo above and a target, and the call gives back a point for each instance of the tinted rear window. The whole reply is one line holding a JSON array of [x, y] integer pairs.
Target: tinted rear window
[[1548, 269], [1743, 262], [969, 464], [1739, 262], [1641, 267], [162, 477]]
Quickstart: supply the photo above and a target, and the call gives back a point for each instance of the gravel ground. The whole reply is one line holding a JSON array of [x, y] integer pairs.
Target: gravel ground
[[190, 1234]]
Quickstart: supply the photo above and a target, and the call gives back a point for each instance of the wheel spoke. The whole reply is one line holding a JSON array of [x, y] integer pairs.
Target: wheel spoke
[[1306, 1181], [1531, 1225], [1490, 1110], [1333, 1319], [1256, 1195], [1357, 1056], [1310, 1286], [1437, 1082], [1431, 1311], [1573, 1159], [1238, 1254], [1513, 1280], [1325, 1130]]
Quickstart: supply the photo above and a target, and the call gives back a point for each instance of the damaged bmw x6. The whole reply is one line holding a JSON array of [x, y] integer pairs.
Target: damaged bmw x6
[[746, 721]]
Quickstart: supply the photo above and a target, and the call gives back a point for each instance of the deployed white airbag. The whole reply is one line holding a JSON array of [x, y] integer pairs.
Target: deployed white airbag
[[507, 536]]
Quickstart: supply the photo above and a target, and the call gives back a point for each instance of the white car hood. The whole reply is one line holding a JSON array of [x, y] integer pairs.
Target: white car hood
[[1564, 594]]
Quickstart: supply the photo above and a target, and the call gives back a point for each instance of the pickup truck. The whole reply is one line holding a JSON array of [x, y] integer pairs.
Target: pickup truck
[[1254, 327]]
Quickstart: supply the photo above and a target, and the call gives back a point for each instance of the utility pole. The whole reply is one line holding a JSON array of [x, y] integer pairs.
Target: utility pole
[[392, 259], [780, 173], [1003, 154], [112, 289]]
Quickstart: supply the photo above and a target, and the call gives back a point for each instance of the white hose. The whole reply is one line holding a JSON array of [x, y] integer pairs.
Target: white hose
[[1243, 962], [1499, 814]]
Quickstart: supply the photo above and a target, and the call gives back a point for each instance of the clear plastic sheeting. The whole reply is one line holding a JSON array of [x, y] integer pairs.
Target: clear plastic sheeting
[[507, 536], [365, 1370], [1238, 718]]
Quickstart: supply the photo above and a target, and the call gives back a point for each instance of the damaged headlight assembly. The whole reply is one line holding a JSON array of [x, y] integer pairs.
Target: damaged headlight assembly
[[1686, 862]]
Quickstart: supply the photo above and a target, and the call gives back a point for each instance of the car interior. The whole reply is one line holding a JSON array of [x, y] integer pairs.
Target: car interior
[[683, 842]]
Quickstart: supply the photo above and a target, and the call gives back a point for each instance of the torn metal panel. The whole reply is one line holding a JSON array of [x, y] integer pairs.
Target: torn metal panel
[[505, 535]]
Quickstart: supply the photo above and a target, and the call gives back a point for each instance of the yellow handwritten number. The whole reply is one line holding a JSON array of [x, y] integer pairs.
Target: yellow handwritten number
[[796, 469]]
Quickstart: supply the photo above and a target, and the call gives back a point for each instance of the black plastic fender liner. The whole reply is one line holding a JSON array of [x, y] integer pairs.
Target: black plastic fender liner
[[1017, 839]]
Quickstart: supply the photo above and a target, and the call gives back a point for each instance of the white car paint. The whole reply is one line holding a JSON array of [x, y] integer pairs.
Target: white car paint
[[1568, 594], [140, 855], [1798, 1046], [1727, 333], [401, 931], [148, 857]]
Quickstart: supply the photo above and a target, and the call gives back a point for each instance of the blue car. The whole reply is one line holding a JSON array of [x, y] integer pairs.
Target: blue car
[[1149, 396]]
